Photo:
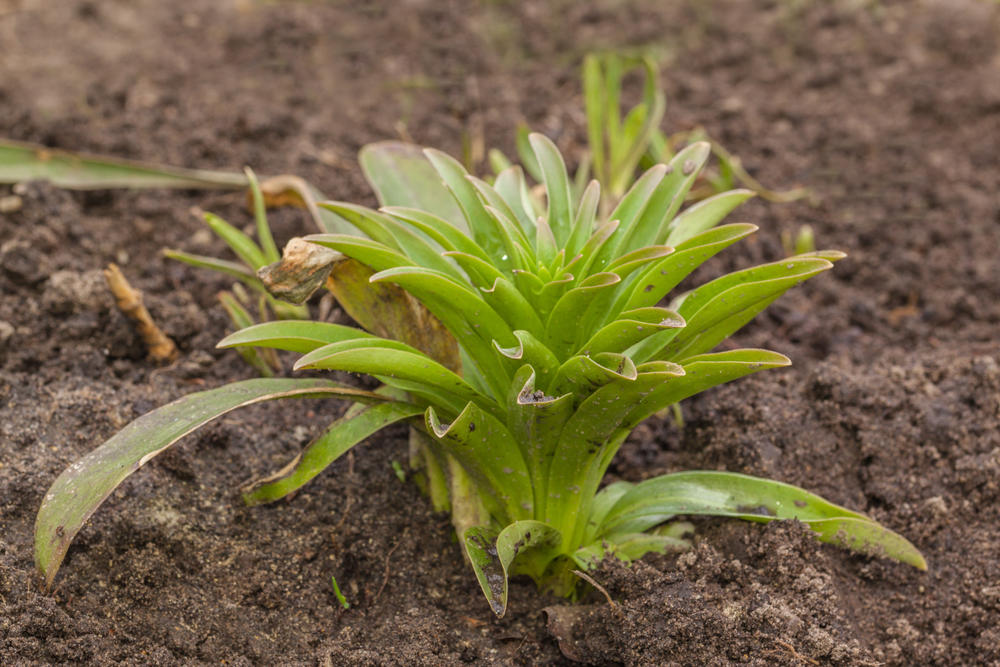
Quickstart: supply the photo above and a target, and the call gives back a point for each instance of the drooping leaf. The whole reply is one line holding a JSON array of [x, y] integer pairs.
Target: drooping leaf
[[21, 161], [82, 487], [359, 423], [741, 496], [492, 554]]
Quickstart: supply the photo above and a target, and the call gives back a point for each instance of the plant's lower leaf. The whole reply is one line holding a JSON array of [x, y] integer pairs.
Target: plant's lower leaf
[[359, 423], [485, 448], [82, 487], [627, 547], [603, 501], [492, 553], [401, 175], [302, 336], [741, 496], [265, 361], [20, 161]]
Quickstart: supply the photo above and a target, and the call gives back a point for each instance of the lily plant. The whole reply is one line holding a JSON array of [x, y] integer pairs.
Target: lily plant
[[523, 339]]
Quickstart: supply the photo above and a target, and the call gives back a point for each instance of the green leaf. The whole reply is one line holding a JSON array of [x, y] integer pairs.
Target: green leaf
[[704, 215], [391, 360], [487, 232], [631, 327], [741, 496], [449, 237], [267, 245], [556, 180], [82, 487], [241, 244], [629, 211], [20, 161], [302, 336], [264, 361], [492, 554], [585, 219], [581, 375], [564, 323], [627, 547], [531, 351], [700, 373], [373, 254], [234, 269], [510, 185], [717, 309], [526, 152], [343, 434], [655, 282], [401, 175], [485, 448]]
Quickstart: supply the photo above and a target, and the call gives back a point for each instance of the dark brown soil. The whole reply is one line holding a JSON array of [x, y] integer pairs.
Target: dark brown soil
[[889, 111]]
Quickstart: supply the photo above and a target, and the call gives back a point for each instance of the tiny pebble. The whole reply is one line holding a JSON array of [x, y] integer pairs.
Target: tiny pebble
[[10, 203]]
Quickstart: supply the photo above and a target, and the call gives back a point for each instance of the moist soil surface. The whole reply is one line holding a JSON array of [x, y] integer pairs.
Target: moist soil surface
[[889, 112]]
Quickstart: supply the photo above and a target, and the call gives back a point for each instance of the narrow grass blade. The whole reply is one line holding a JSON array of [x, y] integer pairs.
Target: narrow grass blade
[[82, 487], [240, 243], [267, 245]]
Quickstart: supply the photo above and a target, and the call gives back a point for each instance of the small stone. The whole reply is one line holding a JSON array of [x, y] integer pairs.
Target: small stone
[[10, 204]]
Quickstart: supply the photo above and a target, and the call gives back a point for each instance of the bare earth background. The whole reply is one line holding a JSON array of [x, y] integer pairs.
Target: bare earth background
[[889, 111]]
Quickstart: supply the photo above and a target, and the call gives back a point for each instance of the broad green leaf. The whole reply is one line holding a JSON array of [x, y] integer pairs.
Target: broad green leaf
[[656, 281], [629, 211], [631, 327], [565, 324], [391, 360], [300, 336], [531, 351], [744, 497], [20, 161], [492, 554], [700, 373], [343, 434], [559, 214], [652, 225], [590, 436], [704, 215], [510, 185], [717, 309], [82, 487], [449, 237], [505, 213], [536, 419], [580, 265], [581, 375], [488, 233], [401, 175], [585, 219], [373, 254], [487, 451], [603, 501], [371, 224], [627, 547], [511, 305]]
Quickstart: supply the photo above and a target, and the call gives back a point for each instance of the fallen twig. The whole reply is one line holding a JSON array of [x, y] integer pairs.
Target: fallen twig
[[129, 300]]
